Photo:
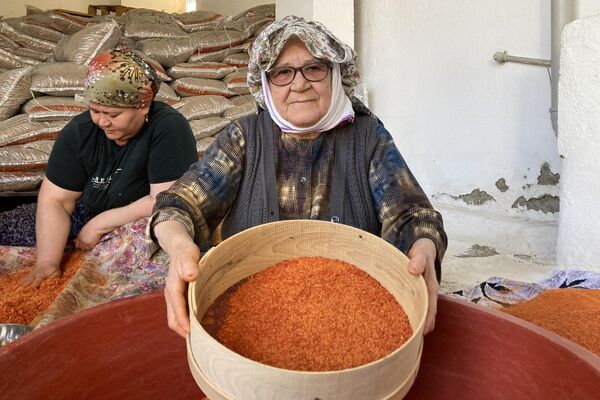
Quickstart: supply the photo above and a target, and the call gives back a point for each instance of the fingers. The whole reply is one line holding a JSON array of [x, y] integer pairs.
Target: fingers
[[29, 280], [430, 318], [187, 263], [417, 264], [176, 305], [37, 276], [433, 288], [422, 262]]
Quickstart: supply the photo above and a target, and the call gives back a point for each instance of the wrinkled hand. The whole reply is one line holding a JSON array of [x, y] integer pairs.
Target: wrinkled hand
[[422, 262], [89, 236], [183, 268], [39, 273]]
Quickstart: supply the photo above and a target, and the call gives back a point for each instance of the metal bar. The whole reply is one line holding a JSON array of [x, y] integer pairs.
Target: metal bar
[[502, 57]]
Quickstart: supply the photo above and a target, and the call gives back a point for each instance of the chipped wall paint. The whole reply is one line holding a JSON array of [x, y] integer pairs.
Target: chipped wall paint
[[469, 127], [545, 203]]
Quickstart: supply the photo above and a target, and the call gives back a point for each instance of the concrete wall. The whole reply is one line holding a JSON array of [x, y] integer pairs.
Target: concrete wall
[[477, 134], [229, 7], [17, 8], [10, 8], [336, 15], [169, 6], [579, 127]]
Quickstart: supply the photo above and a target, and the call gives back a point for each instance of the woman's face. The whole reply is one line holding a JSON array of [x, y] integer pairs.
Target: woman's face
[[118, 123], [303, 103]]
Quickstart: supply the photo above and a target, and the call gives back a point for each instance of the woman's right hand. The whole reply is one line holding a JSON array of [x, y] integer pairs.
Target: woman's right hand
[[184, 256], [39, 273]]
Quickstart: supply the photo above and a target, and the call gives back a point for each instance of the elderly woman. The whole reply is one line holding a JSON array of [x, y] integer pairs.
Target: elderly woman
[[106, 167], [309, 155]]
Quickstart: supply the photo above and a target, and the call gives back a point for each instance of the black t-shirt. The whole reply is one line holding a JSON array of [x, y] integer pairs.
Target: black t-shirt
[[84, 160]]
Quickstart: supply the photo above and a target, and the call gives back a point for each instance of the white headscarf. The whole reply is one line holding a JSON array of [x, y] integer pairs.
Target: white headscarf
[[340, 108]]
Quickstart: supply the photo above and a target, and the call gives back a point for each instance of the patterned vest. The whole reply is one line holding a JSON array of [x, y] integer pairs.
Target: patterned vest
[[350, 195]]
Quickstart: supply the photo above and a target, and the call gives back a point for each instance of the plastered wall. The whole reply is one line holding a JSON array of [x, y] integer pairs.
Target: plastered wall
[[477, 134], [579, 124], [229, 7]]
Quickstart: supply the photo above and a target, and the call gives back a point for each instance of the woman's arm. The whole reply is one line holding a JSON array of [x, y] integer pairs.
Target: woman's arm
[[408, 220], [53, 223], [184, 255], [109, 220]]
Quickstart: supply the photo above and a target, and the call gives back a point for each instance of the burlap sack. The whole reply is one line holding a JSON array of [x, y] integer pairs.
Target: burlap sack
[[19, 130], [199, 86], [166, 94], [247, 108], [208, 126], [53, 108], [237, 82], [86, 44], [15, 87], [196, 107], [68, 23], [209, 70], [20, 181], [22, 158], [13, 32], [59, 79], [145, 24], [203, 144], [195, 21]]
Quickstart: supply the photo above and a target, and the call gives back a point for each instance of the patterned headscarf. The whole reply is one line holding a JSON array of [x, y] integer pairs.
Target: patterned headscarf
[[120, 79], [318, 40]]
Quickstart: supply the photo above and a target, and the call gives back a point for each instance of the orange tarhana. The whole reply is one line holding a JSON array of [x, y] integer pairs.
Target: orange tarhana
[[571, 313], [309, 314], [21, 305]]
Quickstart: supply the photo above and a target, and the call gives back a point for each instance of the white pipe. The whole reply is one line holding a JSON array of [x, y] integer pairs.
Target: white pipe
[[562, 12]]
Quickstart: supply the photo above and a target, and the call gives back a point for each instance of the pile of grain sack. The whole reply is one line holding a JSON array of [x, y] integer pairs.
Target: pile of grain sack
[[201, 58]]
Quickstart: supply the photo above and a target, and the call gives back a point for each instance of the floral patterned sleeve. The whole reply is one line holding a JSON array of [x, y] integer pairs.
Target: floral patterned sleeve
[[203, 195], [403, 208]]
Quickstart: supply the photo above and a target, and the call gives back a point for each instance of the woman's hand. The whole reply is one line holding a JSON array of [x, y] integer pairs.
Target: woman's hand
[[184, 256], [39, 273], [422, 262], [90, 235]]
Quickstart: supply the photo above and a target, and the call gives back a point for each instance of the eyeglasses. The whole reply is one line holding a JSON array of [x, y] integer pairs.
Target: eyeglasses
[[313, 72]]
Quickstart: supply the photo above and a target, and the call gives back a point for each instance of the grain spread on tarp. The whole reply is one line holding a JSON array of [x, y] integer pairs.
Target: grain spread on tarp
[[309, 314], [21, 305]]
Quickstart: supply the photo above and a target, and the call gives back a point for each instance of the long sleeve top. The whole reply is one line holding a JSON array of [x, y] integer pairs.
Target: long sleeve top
[[201, 198]]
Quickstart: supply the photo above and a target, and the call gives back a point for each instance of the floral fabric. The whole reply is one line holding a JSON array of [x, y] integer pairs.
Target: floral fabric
[[117, 267]]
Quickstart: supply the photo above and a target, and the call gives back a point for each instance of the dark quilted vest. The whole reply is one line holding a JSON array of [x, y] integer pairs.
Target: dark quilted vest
[[350, 195]]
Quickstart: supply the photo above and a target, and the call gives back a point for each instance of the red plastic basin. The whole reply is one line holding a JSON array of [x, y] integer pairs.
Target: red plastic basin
[[124, 350]]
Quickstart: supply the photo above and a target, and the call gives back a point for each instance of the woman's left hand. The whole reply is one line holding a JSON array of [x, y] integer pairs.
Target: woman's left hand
[[422, 262]]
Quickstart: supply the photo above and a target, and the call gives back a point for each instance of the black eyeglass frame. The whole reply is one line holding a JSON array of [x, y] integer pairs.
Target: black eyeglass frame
[[301, 69]]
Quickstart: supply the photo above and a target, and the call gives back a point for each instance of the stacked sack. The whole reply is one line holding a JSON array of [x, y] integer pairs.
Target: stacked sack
[[205, 56], [42, 67], [201, 58]]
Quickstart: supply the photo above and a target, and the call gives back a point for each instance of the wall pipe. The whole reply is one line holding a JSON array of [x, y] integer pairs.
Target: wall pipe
[[562, 12], [503, 56]]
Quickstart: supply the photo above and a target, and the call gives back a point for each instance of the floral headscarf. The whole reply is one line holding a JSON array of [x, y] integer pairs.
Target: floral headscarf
[[318, 40], [120, 79]]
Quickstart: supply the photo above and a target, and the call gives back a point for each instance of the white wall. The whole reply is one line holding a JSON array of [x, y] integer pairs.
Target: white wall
[[10, 8], [461, 120], [579, 125], [336, 15], [229, 7], [169, 6]]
